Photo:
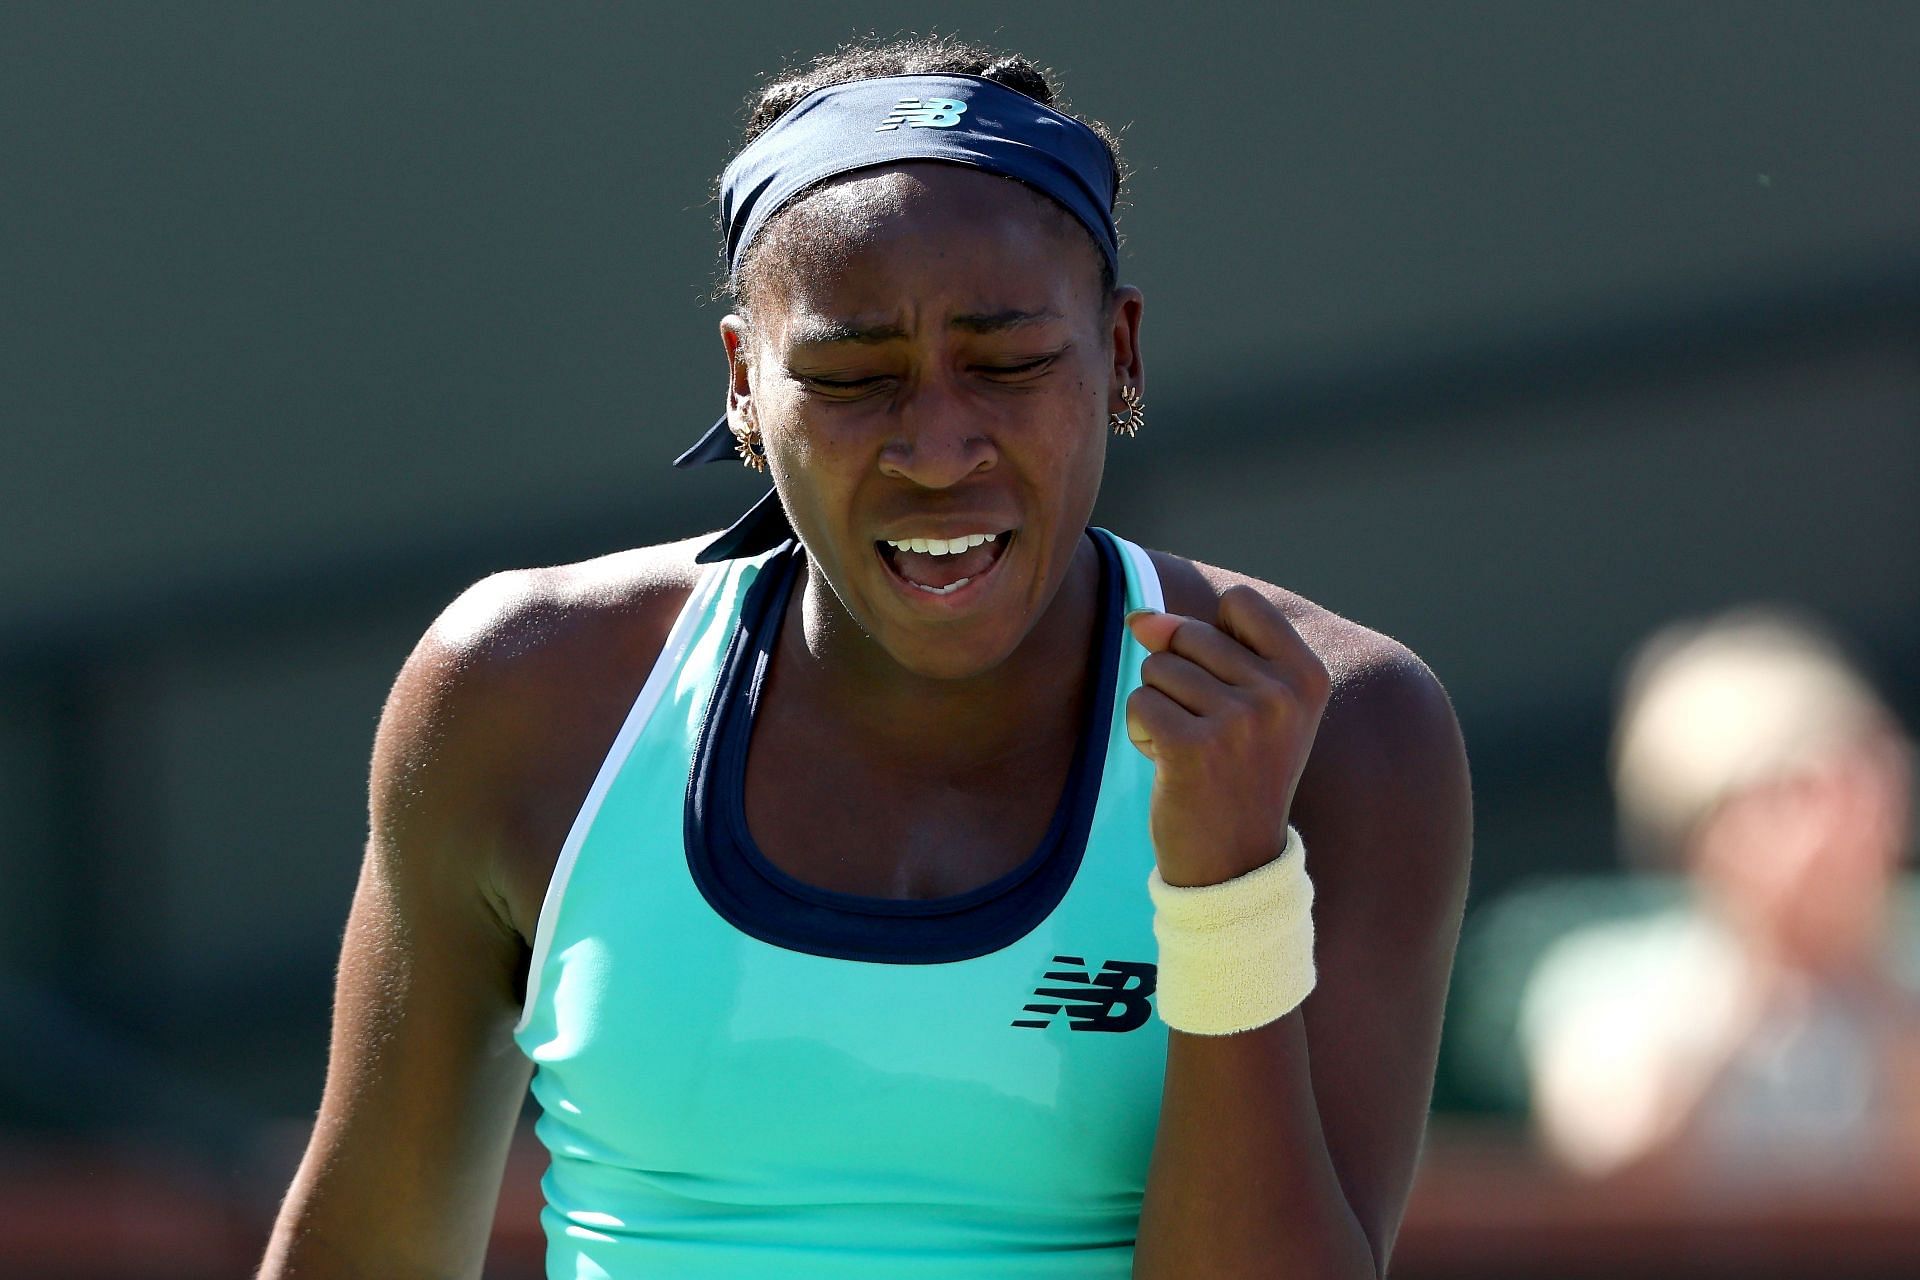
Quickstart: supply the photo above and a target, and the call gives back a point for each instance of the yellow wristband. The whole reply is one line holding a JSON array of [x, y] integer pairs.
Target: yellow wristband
[[1239, 954]]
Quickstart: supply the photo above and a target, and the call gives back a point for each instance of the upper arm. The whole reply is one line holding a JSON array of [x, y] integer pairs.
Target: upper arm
[[424, 1082], [1385, 810], [488, 743]]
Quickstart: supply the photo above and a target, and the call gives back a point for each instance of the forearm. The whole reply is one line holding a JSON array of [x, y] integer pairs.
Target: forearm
[[1241, 1184]]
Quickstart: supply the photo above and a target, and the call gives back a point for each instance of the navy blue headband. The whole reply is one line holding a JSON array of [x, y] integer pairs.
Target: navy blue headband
[[865, 124], [895, 119]]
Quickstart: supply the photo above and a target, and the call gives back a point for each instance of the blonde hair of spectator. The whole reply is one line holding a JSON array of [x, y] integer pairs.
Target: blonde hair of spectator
[[1711, 708]]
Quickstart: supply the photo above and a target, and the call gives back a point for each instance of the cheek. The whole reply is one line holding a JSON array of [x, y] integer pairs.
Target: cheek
[[1076, 440], [817, 469], [794, 444], [1089, 432], [826, 460], [1068, 476]]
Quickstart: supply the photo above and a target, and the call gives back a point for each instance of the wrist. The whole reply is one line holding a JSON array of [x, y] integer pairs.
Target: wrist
[[1202, 868], [1237, 954]]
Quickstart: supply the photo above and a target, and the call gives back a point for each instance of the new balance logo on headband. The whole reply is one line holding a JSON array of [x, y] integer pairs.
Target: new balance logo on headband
[[924, 113]]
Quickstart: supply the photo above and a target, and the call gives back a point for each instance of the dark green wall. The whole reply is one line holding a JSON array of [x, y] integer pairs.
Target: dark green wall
[[1511, 329]]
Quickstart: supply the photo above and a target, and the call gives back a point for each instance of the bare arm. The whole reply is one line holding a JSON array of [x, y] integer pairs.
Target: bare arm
[[424, 1082], [488, 743], [1290, 1150]]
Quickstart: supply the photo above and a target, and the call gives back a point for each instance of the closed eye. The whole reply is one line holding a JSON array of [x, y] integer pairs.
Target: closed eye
[[841, 382], [1018, 371], [843, 388]]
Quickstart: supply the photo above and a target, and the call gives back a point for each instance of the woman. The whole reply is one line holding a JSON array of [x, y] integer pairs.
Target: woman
[[923, 918], [1765, 1027]]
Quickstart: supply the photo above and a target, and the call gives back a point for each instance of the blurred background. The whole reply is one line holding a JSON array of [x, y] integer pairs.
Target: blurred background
[[1515, 330]]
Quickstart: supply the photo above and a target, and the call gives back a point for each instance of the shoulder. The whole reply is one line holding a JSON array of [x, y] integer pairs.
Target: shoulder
[[517, 634], [1387, 779], [515, 625], [505, 707], [1387, 712]]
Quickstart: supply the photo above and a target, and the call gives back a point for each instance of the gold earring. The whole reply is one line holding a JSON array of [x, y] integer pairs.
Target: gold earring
[[1128, 424], [746, 443]]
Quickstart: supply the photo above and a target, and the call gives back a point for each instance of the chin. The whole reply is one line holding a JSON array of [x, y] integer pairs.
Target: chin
[[950, 658]]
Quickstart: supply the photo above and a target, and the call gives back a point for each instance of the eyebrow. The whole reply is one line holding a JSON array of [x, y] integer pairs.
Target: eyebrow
[[996, 321], [819, 333]]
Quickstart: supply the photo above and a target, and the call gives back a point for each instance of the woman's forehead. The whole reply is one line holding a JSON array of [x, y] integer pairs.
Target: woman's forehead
[[803, 325], [991, 241]]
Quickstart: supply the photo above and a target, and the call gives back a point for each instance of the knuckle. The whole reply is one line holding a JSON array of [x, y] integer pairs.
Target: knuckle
[[1234, 723], [1247, 604], [1148, 707], [1186, 733], [1272, 707], [1241, 596], [1271, 691], [1314, 676], [1190, 638]]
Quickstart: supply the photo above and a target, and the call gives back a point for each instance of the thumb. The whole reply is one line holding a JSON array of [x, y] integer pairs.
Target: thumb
[[1153, 629]]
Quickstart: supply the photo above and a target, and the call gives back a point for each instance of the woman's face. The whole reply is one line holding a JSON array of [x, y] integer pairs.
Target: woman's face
[[930, 355]]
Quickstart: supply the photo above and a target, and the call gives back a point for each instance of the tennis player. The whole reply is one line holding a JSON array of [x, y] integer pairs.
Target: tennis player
[[913, 881]]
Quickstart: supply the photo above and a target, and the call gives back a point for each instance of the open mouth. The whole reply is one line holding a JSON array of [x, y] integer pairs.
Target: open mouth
[[942, 566]]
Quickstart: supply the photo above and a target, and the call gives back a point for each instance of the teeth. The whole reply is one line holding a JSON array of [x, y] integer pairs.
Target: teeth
[[942, 546], [941, 591]]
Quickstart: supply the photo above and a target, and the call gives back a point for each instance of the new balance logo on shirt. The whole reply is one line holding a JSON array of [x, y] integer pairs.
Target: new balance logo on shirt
[[1115, 999], [924, 113]]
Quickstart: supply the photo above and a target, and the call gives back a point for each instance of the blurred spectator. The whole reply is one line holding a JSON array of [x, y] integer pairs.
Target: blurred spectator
[[1765, 1029]]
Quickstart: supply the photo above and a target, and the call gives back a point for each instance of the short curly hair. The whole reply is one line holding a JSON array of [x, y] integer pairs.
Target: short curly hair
[[916, 55]]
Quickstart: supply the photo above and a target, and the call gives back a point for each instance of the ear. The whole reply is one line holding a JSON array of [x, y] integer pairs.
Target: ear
[[1124, 326], [737, 338]]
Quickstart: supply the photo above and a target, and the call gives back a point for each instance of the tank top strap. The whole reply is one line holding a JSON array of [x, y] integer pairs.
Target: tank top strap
[[711, 613], [1143, 580]]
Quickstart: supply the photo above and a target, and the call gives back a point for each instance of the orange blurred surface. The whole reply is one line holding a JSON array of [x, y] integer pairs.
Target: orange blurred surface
[[1485, 1206]]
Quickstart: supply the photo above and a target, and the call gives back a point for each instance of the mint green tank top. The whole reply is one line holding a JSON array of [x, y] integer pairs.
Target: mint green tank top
[[742, 1076]]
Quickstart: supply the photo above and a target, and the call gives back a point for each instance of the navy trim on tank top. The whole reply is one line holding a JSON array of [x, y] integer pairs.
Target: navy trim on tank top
[[761, 900]]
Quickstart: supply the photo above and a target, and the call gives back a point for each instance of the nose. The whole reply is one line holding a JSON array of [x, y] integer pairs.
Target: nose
[[939, 439]]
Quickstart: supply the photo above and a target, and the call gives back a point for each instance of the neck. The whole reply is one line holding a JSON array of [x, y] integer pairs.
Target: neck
[[861, 695]]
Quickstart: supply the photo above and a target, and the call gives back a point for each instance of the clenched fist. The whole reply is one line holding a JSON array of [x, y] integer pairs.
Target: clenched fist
[[1227, 714]]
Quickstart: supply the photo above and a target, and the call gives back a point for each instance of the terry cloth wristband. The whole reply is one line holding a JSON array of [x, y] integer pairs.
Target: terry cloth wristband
[[1239, 954]]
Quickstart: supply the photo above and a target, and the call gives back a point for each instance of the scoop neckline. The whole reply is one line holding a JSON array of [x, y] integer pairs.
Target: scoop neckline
[[746, 888]]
